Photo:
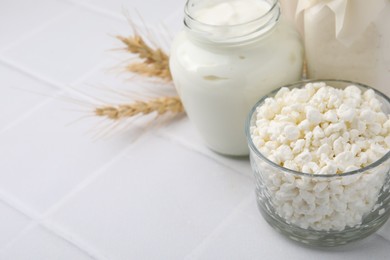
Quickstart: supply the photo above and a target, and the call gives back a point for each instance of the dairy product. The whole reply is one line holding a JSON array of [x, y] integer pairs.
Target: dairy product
[[347, 40], [322, 126], [231, 12], [367, 60], [220, 79], [321, 130]]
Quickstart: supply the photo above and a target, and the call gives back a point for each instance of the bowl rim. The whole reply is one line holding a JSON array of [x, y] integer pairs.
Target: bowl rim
[[302, 83]]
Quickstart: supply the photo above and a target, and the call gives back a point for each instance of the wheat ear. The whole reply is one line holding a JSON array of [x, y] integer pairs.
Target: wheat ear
[[160, 105], [155, 62]]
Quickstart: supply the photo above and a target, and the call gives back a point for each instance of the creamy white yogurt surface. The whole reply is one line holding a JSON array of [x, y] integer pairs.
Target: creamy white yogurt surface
[[231, 12]]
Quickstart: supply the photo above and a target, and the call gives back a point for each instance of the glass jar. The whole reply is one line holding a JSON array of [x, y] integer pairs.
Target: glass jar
[[347, 40], [220, 71], [350, 206]]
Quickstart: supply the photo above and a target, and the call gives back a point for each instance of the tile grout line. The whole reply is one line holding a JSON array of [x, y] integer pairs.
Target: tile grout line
[[23, 232], [32, 74], [382, 236], [35, 30], [15, 203], [19, 206], [40, 219], [123, 18], [26, 115], [190, 147], [62, 89], [88, 180], [98, 10], [194, 254], [74, 240], [112, 15], [35, 217], [60, 233], [47, 80], [68, 236], [81, 79]]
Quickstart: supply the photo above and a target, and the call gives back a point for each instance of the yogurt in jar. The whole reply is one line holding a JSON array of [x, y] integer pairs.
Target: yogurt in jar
[[229, 55]]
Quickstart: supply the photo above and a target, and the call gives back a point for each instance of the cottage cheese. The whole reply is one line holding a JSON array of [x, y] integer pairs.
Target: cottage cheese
[[319, 129]]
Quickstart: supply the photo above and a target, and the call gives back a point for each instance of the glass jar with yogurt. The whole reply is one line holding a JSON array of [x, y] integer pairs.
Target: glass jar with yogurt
[[229, 54]]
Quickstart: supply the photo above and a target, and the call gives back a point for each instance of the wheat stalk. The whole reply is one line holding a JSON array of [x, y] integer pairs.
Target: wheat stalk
[[155, 62], [160, 105], [149, 71]]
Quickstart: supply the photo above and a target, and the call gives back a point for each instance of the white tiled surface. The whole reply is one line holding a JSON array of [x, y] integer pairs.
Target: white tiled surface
[[20, 18], [68, 47], [159, 202], [143, 194], [17, 99], [12, 222], [42, 244]]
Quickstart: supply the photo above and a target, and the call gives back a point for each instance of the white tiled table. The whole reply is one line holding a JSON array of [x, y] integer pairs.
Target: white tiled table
[[157, 194]]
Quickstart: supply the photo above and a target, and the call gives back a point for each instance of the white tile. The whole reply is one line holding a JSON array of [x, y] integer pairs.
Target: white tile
[[248, 236], [153, 12], [43, 158], [69, 47], [385, 231], [189, 137], [12, 223], [39, 244], [175, 22], [19, 17], [158, 202], [20, 94]]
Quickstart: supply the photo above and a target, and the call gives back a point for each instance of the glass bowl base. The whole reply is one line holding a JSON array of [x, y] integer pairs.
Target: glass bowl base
[[322, 238]]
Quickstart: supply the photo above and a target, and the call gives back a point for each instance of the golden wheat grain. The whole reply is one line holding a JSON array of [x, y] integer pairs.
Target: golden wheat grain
[[149, 71], [155, 62], [159, 105]]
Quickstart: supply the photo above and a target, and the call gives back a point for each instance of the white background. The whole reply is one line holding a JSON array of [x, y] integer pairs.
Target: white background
[[153, 192]]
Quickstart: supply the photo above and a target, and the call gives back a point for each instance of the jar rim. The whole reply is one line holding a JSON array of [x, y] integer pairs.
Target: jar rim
[[254, 149], [260, 25], [188, 14]]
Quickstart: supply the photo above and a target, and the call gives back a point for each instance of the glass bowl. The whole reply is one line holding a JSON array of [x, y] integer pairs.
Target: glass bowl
[[348, 206]]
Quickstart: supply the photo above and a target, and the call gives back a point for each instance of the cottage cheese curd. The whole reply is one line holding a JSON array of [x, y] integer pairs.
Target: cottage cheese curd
[[321, 130]]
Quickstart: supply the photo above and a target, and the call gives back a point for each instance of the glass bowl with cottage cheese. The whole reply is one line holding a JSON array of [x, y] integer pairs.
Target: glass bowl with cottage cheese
[[320, 152]]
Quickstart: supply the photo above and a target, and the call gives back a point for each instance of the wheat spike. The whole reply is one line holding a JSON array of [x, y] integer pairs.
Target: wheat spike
[[155, 61], [160, 105], [149, 71]]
